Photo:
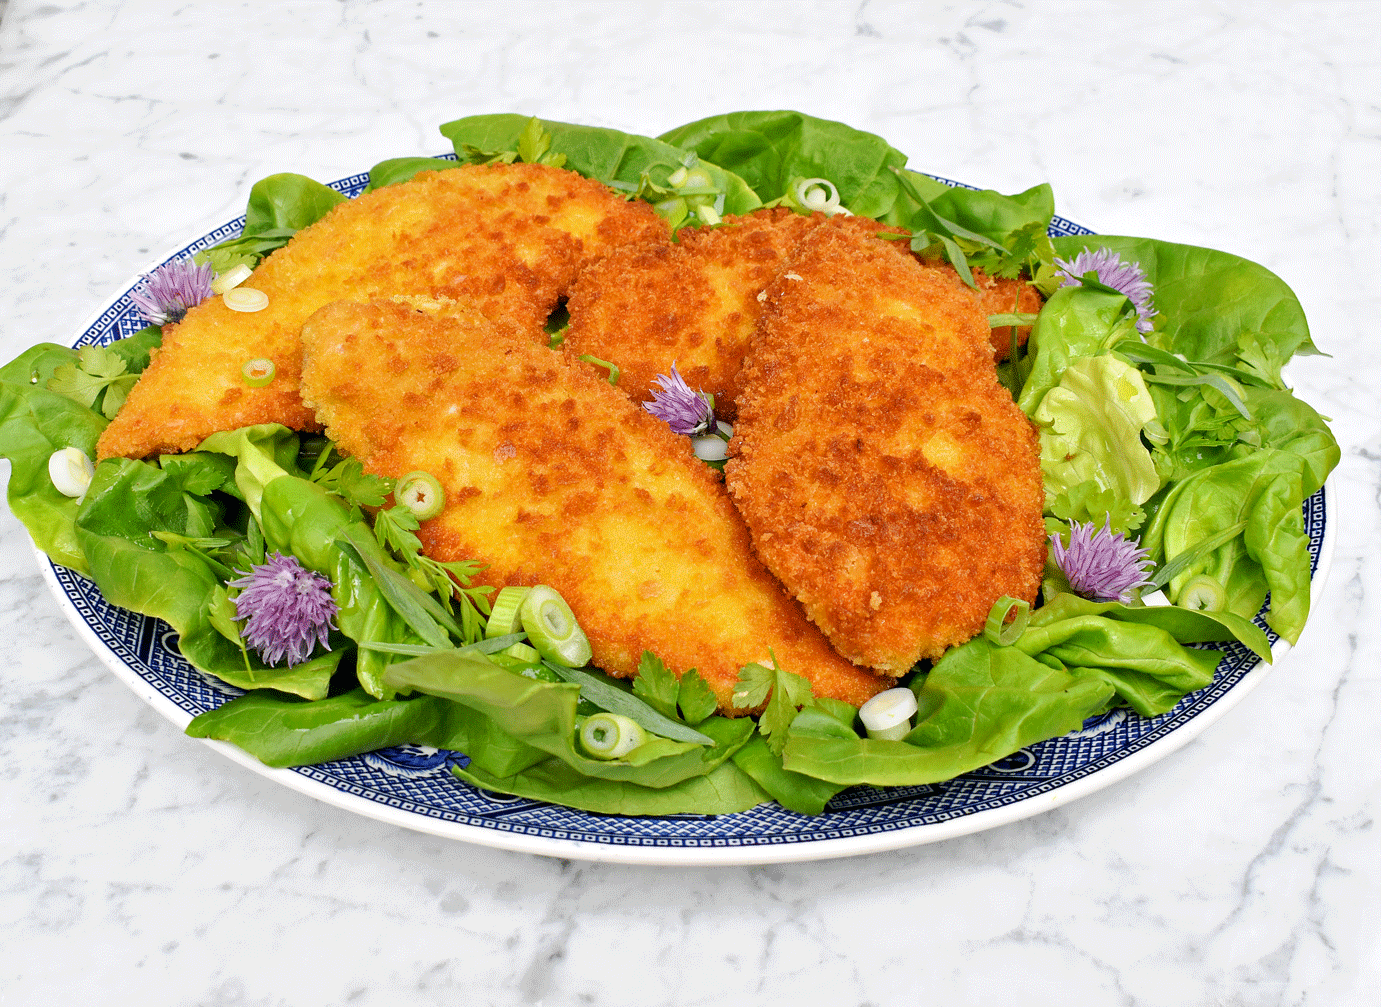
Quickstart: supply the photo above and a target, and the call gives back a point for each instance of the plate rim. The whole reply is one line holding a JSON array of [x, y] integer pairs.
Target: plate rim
[[806, 850]]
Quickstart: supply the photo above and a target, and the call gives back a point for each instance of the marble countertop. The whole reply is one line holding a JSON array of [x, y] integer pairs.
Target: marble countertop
[[139, 866]]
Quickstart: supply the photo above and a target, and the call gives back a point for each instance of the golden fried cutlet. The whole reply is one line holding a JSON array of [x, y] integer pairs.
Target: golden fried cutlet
[[694, 304], [508, 238], [888, 480], [552, 476], [999, 296]]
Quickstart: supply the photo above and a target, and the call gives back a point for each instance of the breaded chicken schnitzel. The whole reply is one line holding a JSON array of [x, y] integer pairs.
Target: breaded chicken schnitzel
[[509, 238], [888, 480], [552, 476], [694, 304]]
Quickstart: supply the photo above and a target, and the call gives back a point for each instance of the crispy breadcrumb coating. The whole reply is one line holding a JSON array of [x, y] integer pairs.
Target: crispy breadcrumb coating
[[887, 478], [510, 239], [695, 303], [553, 476]]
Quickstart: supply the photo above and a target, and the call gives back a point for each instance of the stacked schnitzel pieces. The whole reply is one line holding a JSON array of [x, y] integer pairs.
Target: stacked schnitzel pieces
[[553, 476], [888, 480], [511, 239], [695, 303]]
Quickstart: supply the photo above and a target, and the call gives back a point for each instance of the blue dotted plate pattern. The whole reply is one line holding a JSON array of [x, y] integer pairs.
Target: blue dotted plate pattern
[[417, 780]]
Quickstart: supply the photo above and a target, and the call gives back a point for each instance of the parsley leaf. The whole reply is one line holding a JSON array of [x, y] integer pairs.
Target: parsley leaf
[[348, 479], [656, 684], [696, 700], [97, 369], [784, 692]]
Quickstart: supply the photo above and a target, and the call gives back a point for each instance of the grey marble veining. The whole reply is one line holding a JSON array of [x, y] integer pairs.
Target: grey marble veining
[[137, 866]]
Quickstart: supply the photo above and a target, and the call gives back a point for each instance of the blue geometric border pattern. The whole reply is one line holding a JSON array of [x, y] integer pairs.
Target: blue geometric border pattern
[[418, 781]]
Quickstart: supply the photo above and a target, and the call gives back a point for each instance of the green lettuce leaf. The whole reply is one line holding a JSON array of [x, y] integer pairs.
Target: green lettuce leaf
[[1215, 307], [979, 703], [1264, 489], [543, 715], [724, 791], [175, 583], [768, 149], [606, 155]]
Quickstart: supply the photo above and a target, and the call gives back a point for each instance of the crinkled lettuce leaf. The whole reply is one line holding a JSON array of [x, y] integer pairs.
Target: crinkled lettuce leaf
[[1090, 430], [1076, 322]]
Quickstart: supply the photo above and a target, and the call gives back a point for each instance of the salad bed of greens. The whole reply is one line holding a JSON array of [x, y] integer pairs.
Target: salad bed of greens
[[1163, 417]]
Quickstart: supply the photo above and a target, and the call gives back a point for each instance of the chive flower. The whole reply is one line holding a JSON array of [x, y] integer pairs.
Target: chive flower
[[288, 607], [1099, 565], [1124, 277], [684, 410], [171, 289]]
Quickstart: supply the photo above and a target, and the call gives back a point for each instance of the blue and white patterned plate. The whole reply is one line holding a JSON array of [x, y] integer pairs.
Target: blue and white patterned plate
[[412, 785]]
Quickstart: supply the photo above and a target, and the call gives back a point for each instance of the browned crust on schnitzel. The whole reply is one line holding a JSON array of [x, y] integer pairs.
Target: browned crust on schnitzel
[[552, 476], [695, 304], [509, 239], [888, 480]]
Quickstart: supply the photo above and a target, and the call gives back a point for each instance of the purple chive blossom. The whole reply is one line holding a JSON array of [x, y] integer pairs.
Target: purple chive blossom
[[1125, 277], [1100, 565], [685, 411], [171, 289], [289, 609]]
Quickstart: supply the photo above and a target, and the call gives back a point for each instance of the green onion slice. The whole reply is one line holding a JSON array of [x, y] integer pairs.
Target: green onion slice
[[522, 652], [71, 471], [551, 628], [997, 630], [258, 372], [503, 614], [887, 716], [609, 736], [1203, 594], [421, 493]]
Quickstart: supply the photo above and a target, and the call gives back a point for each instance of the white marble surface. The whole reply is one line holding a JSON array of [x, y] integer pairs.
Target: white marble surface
[[137, 866]]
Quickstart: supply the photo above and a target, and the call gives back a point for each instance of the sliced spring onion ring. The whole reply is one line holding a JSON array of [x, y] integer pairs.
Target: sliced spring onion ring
[[522, 652], [551, 628], [245, 299], [997, 630], [610, 736], [421, 493], [887, 716], [710, 448], [1203, 594], [71, 471], [708, 215], [258, 372], [696, 178], [503, 613], [231, 279]]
